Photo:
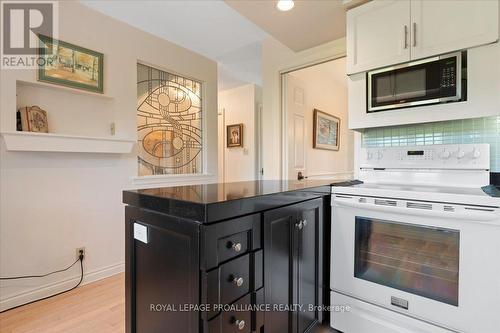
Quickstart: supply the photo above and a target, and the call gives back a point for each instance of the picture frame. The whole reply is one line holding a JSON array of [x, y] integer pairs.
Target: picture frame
[[70, 65], [234, 135], [32, 119], [326, 131]]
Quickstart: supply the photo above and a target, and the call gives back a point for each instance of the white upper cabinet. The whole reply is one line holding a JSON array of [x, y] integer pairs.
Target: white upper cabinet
[[442, 26], [387, 32], [378, 33]]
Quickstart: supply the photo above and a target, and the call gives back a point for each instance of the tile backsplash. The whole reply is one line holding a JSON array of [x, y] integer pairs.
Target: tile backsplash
[[479, 130]]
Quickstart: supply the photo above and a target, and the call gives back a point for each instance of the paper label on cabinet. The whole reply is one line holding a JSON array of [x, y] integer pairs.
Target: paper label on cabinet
[[141, 232]]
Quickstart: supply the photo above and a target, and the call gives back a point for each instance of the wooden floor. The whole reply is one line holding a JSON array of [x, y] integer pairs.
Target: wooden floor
[[93, 308], [97, 307]]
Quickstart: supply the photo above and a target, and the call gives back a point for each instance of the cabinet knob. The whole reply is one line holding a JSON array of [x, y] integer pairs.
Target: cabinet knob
[[304, 223], [238, 281], [236, 247], [240, 324], [299, 225]]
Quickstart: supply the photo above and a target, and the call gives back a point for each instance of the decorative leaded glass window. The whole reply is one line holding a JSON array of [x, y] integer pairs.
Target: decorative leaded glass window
[[169, 123]]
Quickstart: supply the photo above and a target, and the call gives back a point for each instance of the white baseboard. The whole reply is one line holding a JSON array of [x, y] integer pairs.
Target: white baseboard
[[56, 287]]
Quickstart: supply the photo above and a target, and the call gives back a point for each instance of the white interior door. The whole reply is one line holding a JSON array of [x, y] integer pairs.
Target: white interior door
[[221, 145], [296, 131]]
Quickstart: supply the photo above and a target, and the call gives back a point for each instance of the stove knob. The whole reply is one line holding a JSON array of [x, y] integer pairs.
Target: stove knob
[[379, 155], [460, 154], [369, 155], [445, 155], [476, 153]]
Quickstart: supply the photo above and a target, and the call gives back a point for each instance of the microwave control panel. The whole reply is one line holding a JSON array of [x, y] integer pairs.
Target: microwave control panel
[[448, 75]]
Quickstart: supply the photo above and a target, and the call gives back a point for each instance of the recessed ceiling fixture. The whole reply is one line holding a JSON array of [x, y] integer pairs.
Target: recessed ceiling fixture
[[285, 5]]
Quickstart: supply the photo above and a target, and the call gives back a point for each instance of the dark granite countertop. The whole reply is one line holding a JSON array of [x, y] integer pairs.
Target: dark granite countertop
[[214, 202]]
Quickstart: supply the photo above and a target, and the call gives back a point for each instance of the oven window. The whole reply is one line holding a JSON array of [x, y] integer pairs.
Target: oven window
[[417, 259]]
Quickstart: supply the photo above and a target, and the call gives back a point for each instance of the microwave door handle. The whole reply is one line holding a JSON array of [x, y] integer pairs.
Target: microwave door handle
[[471, 215]]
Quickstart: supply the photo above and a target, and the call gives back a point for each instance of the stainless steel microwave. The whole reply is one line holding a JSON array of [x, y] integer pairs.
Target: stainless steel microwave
[[429, 81]]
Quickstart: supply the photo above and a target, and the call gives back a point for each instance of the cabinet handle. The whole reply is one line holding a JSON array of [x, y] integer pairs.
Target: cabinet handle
[[238, 281], [236, 247], [406, 36], [240, 324], [414, 34]]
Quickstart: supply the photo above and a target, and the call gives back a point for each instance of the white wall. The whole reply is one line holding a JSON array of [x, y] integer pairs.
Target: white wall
[[239, 106], [277, 59], [325, 89], [52, 203]]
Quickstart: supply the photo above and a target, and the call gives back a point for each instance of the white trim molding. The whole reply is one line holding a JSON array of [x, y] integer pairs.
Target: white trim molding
[[65, 143], [173, 180]]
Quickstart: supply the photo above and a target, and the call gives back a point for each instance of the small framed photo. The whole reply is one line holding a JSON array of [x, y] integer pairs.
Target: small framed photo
[[70, 65], [326, 131], [235, 135]]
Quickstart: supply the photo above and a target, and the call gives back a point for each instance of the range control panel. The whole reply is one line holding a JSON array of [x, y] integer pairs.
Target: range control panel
[[460, 156]]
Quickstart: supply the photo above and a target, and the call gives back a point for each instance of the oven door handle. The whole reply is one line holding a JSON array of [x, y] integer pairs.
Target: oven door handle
[[472, 214]]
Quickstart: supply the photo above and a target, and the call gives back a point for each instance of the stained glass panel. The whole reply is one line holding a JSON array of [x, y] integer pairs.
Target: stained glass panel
[[169, 123]]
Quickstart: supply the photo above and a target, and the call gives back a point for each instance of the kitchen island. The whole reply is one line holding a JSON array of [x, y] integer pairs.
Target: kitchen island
[[229, 257]]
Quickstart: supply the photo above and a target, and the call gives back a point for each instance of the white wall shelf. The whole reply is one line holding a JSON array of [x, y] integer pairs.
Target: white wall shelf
[[38, 84], [50, 142]]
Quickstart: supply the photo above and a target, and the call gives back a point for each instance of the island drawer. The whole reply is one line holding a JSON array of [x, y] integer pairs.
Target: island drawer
[[226, 240], [240, 317], [234, 279]]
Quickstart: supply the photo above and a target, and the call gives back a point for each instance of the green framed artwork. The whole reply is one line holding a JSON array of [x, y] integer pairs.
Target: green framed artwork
[[70, 65]]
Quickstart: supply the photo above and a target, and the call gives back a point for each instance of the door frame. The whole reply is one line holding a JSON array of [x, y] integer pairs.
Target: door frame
[[259, 175], [282, 107], [221, 112]]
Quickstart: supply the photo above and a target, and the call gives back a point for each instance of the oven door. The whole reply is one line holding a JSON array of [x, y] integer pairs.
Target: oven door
[[435, 262]]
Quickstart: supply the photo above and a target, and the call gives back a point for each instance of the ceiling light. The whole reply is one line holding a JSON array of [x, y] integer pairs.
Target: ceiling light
[[285, 5]]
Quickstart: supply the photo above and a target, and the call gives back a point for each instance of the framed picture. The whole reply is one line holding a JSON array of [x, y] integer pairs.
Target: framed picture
[[326, 131], [32, 119], [235, 135], [70, 65]]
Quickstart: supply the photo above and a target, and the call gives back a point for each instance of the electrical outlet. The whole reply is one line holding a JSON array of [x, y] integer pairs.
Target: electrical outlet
[[82, 249]]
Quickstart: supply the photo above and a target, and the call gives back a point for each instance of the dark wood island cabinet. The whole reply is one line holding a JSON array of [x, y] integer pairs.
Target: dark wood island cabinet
[[221, 258]]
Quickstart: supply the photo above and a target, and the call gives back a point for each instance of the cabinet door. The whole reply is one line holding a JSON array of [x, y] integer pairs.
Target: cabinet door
[[309, 264], [378, 35], [442, 26], [279, 232], [169, 258]]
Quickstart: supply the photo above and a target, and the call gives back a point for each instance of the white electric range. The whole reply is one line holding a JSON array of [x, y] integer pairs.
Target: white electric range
[[416, 247]]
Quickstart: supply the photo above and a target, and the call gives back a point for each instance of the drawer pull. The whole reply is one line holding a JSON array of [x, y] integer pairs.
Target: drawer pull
[[238, 281], [240, 324], [236, 247]]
